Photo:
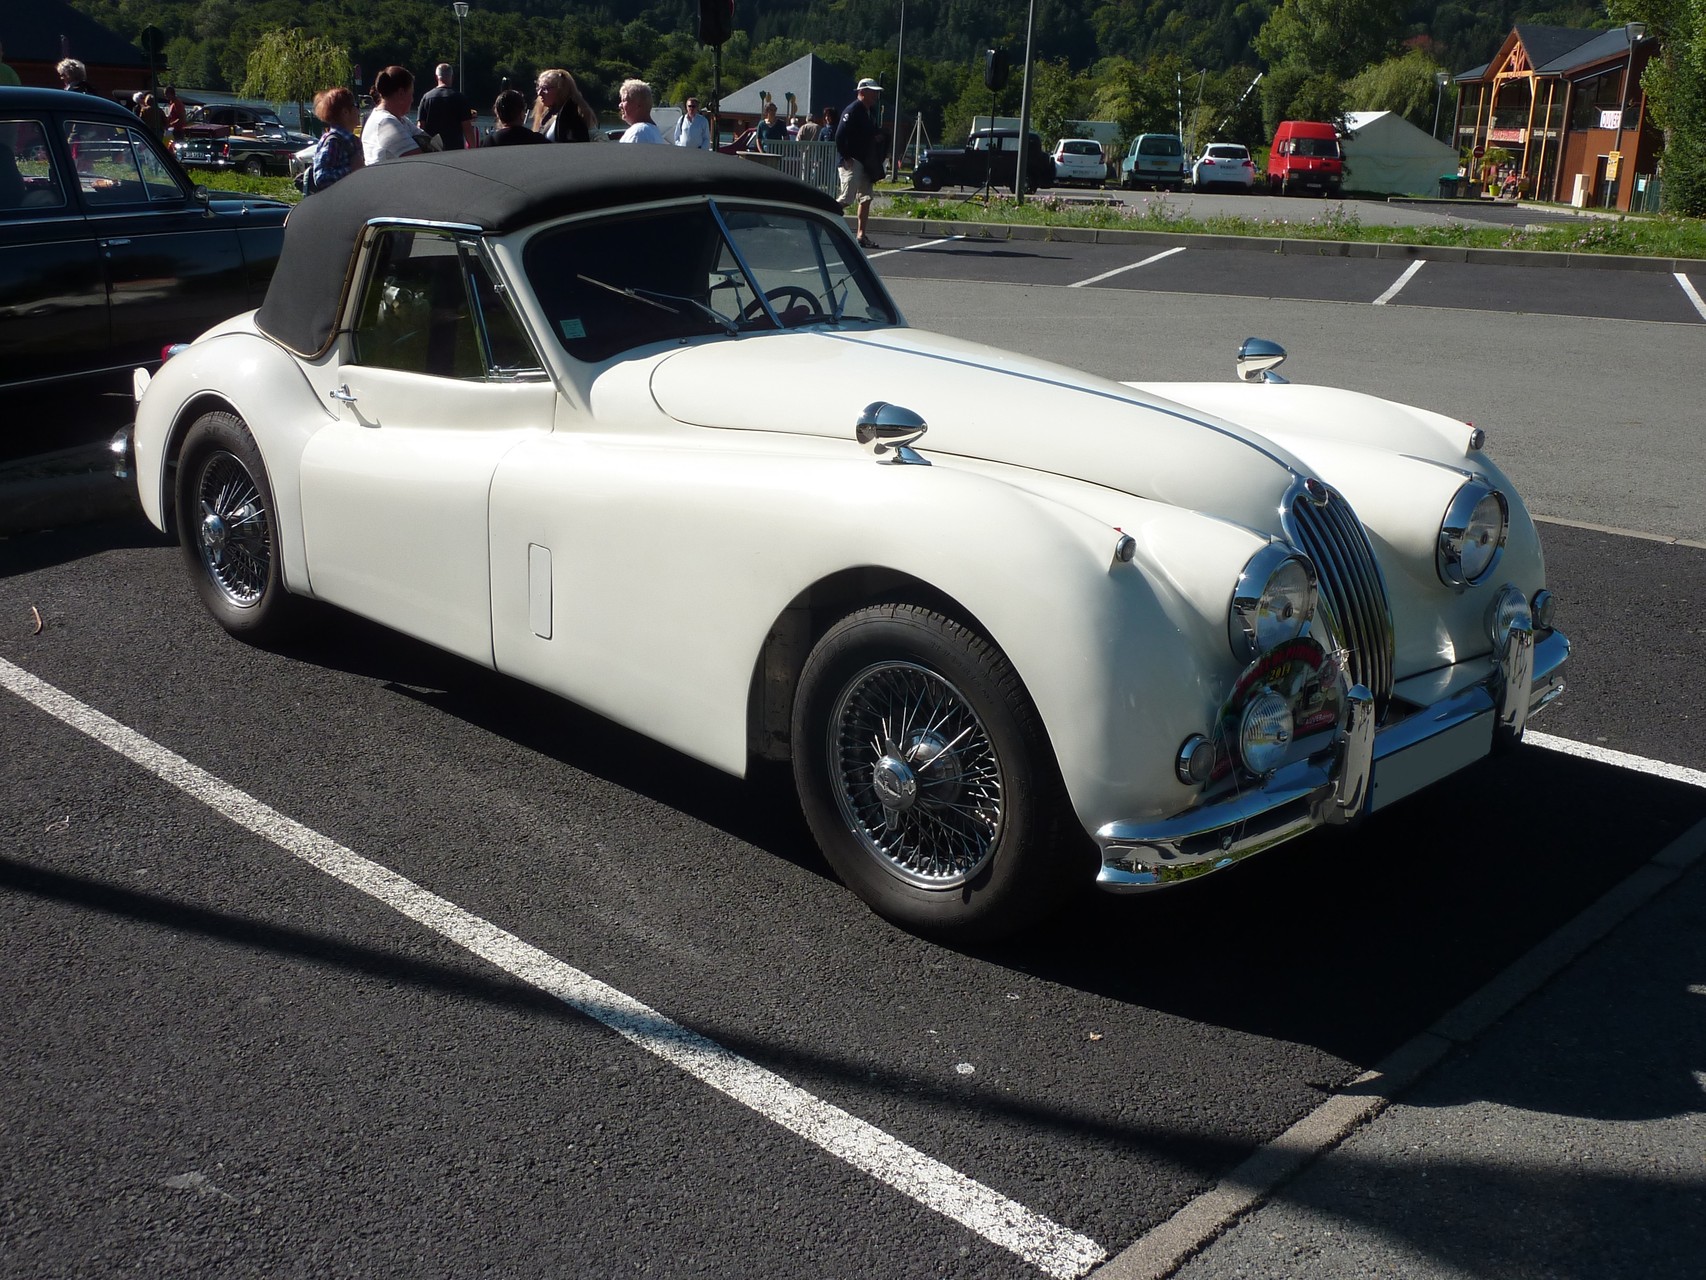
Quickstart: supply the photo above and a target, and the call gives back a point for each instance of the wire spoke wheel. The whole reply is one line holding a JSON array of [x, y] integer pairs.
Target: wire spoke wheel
[[227, 525], [235, 531], [916, 776]]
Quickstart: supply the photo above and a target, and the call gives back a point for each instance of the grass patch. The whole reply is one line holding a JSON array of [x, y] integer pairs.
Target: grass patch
[[243, 184], [1659, 237]]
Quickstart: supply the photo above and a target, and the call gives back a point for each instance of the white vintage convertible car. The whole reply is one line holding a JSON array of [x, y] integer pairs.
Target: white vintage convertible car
[[641, 427]]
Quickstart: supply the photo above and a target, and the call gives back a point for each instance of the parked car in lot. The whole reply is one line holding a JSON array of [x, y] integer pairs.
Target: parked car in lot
[[1224, 164], [987, 155], [1306, 157], [250, 140], [1079, 160], [107, 247], [1016, 628], [1155, 160]]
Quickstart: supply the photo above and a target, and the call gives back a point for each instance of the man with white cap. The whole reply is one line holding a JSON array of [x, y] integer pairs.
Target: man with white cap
[[856, 142]]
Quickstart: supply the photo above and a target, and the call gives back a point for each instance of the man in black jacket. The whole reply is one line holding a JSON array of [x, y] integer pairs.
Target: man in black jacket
[[856, 141]]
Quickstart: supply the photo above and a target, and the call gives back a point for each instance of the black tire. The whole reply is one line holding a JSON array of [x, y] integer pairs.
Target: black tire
[[228, 532], [924, 181], [976, 842], [254, 166]]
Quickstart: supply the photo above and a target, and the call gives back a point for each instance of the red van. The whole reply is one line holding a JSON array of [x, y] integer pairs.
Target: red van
[[1306, 156]]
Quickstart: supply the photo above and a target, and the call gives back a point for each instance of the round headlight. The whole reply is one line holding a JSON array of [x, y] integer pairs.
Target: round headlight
[[1264, 732], [1472, 535], [1508, 612], [1272, 602]]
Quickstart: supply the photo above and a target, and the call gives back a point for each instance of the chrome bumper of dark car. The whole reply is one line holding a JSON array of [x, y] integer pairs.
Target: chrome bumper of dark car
[[1364, 770]]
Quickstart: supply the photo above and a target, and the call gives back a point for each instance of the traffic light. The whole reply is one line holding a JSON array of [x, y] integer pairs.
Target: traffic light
[[716, 21], [994, 70]]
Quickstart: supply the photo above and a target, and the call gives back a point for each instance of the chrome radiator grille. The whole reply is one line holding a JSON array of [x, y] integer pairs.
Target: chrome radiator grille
[[1351, 587]]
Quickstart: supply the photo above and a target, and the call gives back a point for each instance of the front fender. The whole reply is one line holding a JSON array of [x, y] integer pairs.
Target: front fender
[[263, 385]]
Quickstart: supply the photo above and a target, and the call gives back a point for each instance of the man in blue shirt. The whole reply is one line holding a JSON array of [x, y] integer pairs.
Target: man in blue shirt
[[692, 129]]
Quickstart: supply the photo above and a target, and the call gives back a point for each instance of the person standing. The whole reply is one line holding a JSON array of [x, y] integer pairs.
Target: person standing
[[636, 109], [770, 129], [174, 114], [446, 114], [692, 129], [855, 139], [337, 154], [74, 76], [387, 135], [808, 131], [561, 114], [152, 116], [510, 132]]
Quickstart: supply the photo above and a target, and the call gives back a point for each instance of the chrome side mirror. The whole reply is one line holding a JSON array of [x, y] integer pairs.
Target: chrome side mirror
[[888, 432], [1258, 358]]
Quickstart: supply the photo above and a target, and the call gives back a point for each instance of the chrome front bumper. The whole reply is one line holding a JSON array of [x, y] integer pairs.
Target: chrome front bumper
[[1364, 770]]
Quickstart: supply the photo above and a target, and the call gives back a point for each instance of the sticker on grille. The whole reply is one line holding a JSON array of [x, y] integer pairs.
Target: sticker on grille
[[1351, 587]]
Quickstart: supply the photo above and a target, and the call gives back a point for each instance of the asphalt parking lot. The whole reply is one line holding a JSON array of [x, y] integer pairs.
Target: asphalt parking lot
[[228, 1060]]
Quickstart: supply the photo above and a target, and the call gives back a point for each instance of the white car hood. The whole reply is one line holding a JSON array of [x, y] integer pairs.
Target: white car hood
[[981, 402]]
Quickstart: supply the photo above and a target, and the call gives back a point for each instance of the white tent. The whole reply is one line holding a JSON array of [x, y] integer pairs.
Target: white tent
[[1388, 154]]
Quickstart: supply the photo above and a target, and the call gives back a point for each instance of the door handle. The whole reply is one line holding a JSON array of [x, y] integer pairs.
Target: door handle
[[114, 243], [342, 394]]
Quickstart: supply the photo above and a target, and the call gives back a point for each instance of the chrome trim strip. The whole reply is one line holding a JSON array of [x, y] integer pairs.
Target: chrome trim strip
[[1331, 787]]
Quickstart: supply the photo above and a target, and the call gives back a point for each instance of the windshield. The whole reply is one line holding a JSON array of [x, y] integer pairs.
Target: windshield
[[611, 284], [1160, 145], [1081, 149]]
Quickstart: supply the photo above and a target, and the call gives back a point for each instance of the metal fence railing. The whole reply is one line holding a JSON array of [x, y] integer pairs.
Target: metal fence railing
[[813, 162]]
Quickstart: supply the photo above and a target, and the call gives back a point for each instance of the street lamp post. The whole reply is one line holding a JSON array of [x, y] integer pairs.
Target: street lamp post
[[1632, 31], [1440, 78], [461, 10], [894, 129]]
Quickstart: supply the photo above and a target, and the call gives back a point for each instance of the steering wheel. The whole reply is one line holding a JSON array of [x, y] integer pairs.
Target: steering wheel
[[798, 299]]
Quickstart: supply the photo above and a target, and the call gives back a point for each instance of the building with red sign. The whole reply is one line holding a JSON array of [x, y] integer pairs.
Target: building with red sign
[[1567, 105]]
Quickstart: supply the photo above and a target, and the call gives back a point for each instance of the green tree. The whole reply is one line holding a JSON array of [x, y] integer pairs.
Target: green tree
[[289, 66], [1330, 37], [1675, 81], [1404, 85]]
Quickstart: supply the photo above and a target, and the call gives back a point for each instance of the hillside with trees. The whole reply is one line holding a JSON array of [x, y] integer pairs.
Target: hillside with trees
[[1145, 64]]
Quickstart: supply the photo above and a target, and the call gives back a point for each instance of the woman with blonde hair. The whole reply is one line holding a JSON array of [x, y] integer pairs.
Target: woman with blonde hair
[[561, 114]]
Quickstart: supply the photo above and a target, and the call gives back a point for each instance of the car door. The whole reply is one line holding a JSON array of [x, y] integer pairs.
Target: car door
[[435, 382], [53, 295], [172, 269]]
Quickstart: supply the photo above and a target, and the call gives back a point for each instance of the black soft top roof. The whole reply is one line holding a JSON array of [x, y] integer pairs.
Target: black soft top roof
[[494, 189]]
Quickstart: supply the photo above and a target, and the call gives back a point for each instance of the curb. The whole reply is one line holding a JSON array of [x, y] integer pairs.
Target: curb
[[1002, 231]]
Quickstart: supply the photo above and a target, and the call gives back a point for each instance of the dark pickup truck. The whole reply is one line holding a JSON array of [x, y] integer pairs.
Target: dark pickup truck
[[988, 155]]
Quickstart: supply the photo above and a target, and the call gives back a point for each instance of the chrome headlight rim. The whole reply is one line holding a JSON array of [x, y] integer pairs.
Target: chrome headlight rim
[[1454, 535], [1244, 615]]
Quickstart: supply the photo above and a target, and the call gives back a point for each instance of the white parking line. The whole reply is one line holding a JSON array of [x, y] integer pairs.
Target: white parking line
[[1130, 266], [1693, 294], [1003, 1222], [908, 248], [1621, 759], [1400, 282]]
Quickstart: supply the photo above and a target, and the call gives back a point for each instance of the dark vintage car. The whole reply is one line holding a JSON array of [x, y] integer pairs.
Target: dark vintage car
[[108, 249], [251, 140], [987, 156]]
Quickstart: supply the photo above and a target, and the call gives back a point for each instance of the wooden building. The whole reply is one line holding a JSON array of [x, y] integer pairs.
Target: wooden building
[[1569, 108]]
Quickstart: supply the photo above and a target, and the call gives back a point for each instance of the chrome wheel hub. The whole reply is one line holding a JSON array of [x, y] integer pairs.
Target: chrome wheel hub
[[235, 534], [916, 777]]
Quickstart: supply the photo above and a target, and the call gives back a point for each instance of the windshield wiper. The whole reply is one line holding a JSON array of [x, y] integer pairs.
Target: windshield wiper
[[652, 298]]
